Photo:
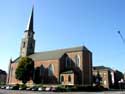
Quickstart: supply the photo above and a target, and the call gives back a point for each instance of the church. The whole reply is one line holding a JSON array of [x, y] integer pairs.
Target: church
[[69, 66]]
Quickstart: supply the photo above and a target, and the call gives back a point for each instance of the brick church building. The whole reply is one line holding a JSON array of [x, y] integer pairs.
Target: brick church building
[[70, 66]]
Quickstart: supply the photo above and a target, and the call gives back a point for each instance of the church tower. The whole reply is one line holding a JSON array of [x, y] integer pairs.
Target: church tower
[[28, 42]]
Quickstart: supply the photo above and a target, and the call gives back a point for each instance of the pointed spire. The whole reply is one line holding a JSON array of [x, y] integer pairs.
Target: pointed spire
[[30, 22]]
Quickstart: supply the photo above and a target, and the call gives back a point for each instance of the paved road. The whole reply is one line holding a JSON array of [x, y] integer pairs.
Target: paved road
[[32, 92]]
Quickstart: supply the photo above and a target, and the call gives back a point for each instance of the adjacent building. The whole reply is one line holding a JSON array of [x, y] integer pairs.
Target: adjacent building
[[70, 66], [106, 77], [118, 78], [3, 76], [103, 75]]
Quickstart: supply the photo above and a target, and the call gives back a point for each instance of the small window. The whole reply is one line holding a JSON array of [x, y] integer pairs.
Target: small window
[[29, 34], [24, 44], [69, 78], [62, 78]]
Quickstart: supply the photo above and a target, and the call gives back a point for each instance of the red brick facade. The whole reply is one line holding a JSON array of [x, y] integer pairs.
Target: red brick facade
[[82, 71]]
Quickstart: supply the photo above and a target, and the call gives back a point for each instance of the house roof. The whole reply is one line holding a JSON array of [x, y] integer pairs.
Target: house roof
[[54, 54], [101, 68]]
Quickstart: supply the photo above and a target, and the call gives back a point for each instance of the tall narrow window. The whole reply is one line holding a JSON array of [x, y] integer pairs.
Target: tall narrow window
[[42, 70], [23, 44], [51, 70], [62, 78], [77, 60], [69, 78], [31, 45], [11, 72], [68, 62]]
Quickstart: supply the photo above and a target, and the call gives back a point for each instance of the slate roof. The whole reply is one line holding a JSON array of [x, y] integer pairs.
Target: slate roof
[[101, 68], [54, 54]]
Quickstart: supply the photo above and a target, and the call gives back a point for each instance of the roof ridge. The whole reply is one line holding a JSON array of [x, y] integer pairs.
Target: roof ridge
[[62, 49]]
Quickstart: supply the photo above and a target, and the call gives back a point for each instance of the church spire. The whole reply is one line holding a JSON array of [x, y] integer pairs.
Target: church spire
[[28, 42], [30, 22]]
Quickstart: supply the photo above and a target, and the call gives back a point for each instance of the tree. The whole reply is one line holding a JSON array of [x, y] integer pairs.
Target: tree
[[25, 68], [98, 79]]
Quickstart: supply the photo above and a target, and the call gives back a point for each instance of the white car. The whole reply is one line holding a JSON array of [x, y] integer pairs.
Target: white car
[[2, 87], [47, 89], [28, 88], [9, 87], [40, 89]]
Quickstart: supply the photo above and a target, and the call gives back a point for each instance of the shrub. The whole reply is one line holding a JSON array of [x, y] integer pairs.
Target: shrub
[[91, 88], [23, 87], [60, 89], [16, 87]]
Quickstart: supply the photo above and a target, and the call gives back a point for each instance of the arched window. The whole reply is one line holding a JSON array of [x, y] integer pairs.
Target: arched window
[[42, 70], [69, 78], [77, 60], [62, 78], [68, 62], [51, 70]]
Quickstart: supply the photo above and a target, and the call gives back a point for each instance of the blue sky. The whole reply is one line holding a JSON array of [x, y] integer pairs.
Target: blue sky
[[63, 24]]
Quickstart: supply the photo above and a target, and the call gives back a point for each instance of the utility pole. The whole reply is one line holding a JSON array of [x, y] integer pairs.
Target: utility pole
[[121, 36]]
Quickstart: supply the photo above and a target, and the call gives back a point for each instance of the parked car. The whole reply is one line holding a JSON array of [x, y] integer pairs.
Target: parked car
[[40, 89], [3, 87], [52, 89], [9, 87], [28, 88], [47, 89], [34, 88]]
